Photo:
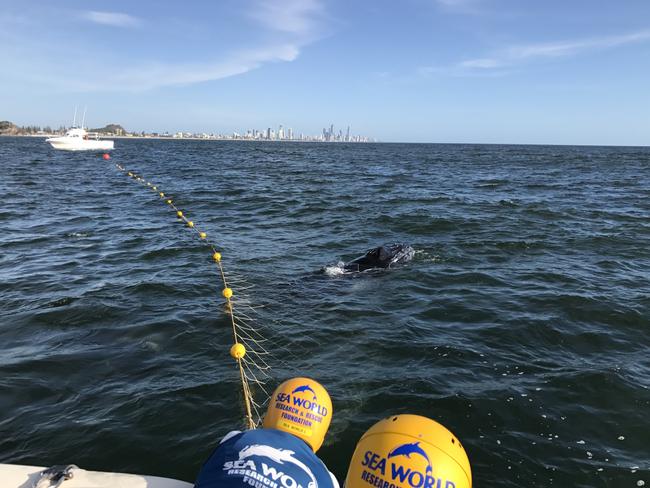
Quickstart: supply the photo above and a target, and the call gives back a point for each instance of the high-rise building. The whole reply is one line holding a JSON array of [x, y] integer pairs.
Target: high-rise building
[[268, 133], [347, 135], [281, 132], [290, 134]]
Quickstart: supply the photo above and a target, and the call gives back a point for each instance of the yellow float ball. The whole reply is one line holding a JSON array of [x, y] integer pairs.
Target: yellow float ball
[[216, 256], [179, 213], [227, 293], [130, 174], [169, 202], [155, 189], [203, 235], [190, 224], [237, 351], [427, 450]]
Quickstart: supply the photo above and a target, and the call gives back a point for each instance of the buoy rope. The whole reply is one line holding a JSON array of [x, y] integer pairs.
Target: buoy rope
[[243, 333]]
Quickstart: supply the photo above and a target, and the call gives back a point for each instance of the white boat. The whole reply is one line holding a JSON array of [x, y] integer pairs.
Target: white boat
[[16, 476], [77, 139]]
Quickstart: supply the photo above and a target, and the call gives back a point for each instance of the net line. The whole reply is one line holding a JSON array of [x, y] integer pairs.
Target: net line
[[248, 350]]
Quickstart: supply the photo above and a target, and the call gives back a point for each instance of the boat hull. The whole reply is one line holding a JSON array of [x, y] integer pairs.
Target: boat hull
[[83, 145], [17, 476]]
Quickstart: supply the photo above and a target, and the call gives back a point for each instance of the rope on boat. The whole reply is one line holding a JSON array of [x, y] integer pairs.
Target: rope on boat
[[247, 348]]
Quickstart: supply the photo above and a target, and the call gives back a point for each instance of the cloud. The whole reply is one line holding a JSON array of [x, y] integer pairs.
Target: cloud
[[115, 19], [282, 29], [156, 74], [459, 6], [519, 54], [454, 3], [292, 16], [481, 63], [294, 23]]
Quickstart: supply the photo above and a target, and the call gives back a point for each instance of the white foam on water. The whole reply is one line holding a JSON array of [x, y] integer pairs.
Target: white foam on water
[[337, 269], [425, 257]]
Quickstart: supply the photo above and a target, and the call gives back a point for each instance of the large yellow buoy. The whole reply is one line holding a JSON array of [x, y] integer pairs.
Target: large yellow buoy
[[237, 351], [216, 256], [408, 451], [190, 224], [227, 293]]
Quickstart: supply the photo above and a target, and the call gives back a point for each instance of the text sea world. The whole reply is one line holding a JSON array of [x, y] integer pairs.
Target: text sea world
[[293, 404], [399, 475]]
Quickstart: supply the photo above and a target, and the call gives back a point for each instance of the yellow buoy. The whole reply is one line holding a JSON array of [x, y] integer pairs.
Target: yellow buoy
[[216, 256], [148, 183], [169, 202], [155, 189], [227, 293], [162, 195], [179, 213], [130, 174], [190, 224], [203, 235], [237, 351]]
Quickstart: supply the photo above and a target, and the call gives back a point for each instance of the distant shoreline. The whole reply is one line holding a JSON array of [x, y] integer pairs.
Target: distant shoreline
[[161, 138], [171, 138]]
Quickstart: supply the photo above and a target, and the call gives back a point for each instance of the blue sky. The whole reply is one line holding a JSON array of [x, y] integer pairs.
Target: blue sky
[[494, 71]]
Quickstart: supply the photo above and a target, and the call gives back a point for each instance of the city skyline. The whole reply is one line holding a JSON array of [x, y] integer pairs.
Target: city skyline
[[268, 134], [475, 71]]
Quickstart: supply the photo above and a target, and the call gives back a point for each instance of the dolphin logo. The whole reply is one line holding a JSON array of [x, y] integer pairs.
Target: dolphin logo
[[279, 456], [304, 388], [408, 449]]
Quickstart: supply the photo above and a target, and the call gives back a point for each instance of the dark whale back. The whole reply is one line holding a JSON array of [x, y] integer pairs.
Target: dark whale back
[[381, 257]]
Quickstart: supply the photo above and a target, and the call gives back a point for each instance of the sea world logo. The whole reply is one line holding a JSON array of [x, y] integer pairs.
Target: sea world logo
[[280, 470], [304, 388], [297, 399], [402, 467], [408, 449]]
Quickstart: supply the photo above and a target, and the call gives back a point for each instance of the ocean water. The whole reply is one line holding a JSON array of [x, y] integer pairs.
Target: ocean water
[[522, 323]]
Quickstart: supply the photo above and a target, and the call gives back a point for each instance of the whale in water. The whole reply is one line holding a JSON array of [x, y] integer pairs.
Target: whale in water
[[381, 257]]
